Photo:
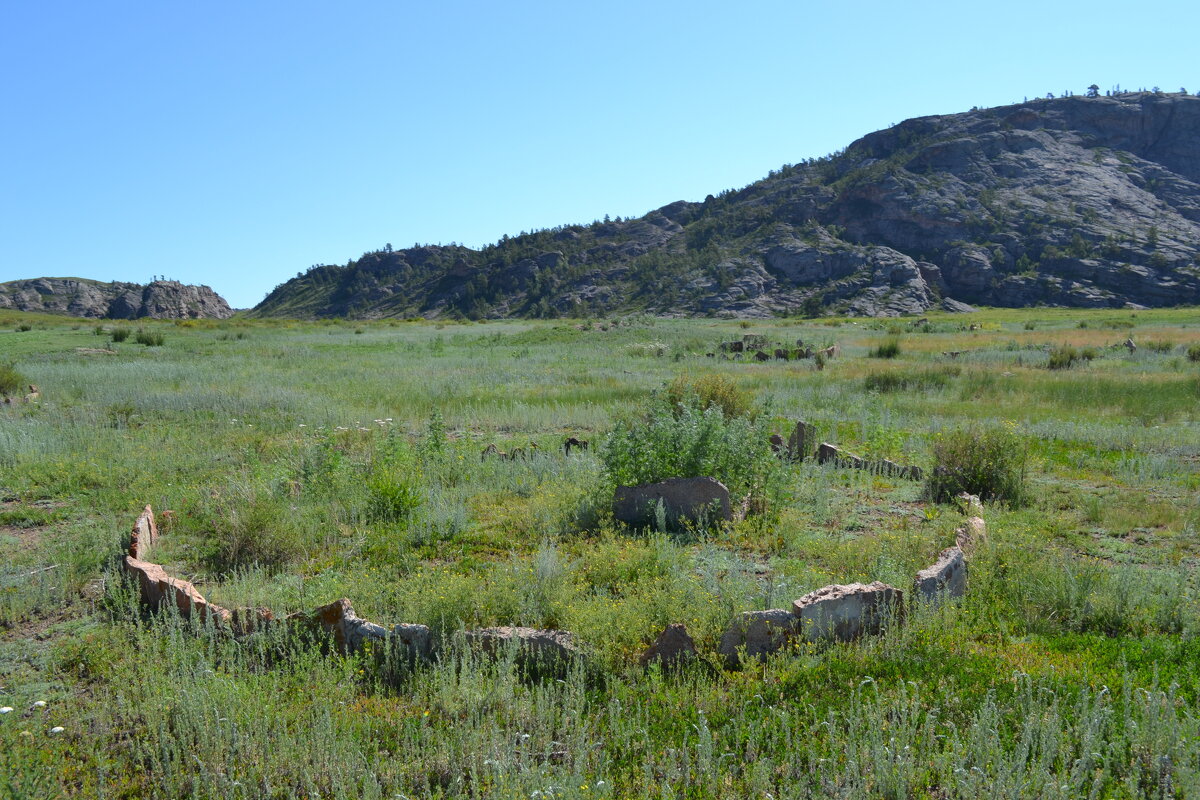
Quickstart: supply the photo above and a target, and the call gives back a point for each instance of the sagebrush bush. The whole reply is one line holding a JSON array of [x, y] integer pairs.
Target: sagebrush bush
[[690, 442], [1159, 346], [710, 391], [990, 463], [888, 348], [148, 338], [1193, 353], [119, 334], [11, 381]]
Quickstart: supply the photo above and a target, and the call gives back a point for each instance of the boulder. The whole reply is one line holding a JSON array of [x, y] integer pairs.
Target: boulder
[[672, 649], [417, 639], [682, 498], [847, 612], [159, 590], [144, 534], [760, 633], [945, 578], [350, 632], [827, 453], [971, 535]]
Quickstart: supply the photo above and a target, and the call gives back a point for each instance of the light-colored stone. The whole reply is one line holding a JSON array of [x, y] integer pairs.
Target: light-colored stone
[[144, 534], [350, 632], [970, 504], [847, 611], [682, 499], [972, 535], [945, 578], [417, 638], [760, 633], [535, 648], [673, 648]]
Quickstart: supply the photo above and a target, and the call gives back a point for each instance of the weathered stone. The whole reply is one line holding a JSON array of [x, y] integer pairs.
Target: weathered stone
[[144, 534], [417, 638], [673, 648], [159, 590], [970, 504], [970, 536], [535, 648], [249, 620], [760, 633], [776, 443], [682, 498], [349, 631], [86, 298], [947, 577], [798, 443], [827, 453], [847, 611]]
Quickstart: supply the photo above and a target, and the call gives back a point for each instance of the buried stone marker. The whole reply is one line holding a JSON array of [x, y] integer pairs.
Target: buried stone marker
[[682, 498], [845, 612], [760, 633], [672, 649]]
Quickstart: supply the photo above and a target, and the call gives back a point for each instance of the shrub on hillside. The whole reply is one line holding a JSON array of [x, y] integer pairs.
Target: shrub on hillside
[[708, 391], [119, 334], [989, 463], [148, 338], [1066, 356], [1193, 353]]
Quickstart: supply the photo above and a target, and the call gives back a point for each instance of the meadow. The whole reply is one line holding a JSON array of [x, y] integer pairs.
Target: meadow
[[307, 461]]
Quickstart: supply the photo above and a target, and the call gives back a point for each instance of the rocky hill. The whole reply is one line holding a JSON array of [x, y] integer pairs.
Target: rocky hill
[[83, 298], [1077, 201]]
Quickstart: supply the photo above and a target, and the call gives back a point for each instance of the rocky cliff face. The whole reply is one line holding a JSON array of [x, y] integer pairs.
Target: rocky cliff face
[[1082, 201], [84, 298]]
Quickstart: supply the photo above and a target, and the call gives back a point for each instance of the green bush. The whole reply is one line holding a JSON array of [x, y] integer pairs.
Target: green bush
[[1193, 353], [23, 327], [1159, 346], [11, 381], [708, 391], [688, 442], [391, 496], [888, 348], [989, 463], [120, 334], [1065, 357], [149, 338]]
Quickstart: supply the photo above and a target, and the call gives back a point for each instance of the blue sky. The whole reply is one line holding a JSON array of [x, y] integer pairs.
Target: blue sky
[[237, 143]]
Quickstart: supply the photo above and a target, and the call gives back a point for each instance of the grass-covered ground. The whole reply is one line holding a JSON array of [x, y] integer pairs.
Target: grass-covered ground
[[310, 461]]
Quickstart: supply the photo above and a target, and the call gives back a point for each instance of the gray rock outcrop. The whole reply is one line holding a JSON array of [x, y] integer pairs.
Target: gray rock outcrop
[[846, 612], [690, 499], [78, 297], [947, 577]]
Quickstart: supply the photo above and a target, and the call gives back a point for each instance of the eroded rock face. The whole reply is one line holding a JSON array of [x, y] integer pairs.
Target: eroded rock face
[[93, 299], [947, 577], [845, 612], [760, 633], [682, 499], [672, 649]]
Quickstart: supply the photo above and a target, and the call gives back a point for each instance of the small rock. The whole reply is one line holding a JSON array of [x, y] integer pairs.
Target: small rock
[[57, 729], [6, 710], [673, 648], [847, 611]]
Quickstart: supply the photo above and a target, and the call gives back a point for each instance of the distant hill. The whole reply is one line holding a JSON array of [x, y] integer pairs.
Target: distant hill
[[1077, 201], [83, 298]]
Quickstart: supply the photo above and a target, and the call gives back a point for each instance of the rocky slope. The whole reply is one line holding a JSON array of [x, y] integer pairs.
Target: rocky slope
[[1079, 201], [83, 298]]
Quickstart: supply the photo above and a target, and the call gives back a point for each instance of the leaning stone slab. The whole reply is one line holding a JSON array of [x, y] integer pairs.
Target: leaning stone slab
[[538, 649], [760, 633], [672, 649], [682, 498], [159, 590], [946, 578], [799, 442], [845, 612], [827, 453], [144, 534]]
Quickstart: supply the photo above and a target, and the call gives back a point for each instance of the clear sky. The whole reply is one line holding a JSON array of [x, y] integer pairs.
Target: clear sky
[[237, 143]]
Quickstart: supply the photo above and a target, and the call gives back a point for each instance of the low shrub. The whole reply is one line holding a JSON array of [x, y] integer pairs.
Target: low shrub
[[710, 391], [391, 496], [888, 348], [989, 463], [1159, 346], [120, 334], [688, 442], [24, 327], [1066, 356], [11, 381], [149, 338], [1193, 353]]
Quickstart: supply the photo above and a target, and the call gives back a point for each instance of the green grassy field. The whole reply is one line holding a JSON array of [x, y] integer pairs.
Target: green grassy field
[[310, 461]]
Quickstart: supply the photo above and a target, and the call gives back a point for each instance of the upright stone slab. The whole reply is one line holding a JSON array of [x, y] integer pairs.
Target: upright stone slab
[[682, 498], [846, 612], [144, 534], [672, 649], [945, 578], [159, 590], [799, 442], [760, 633]]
